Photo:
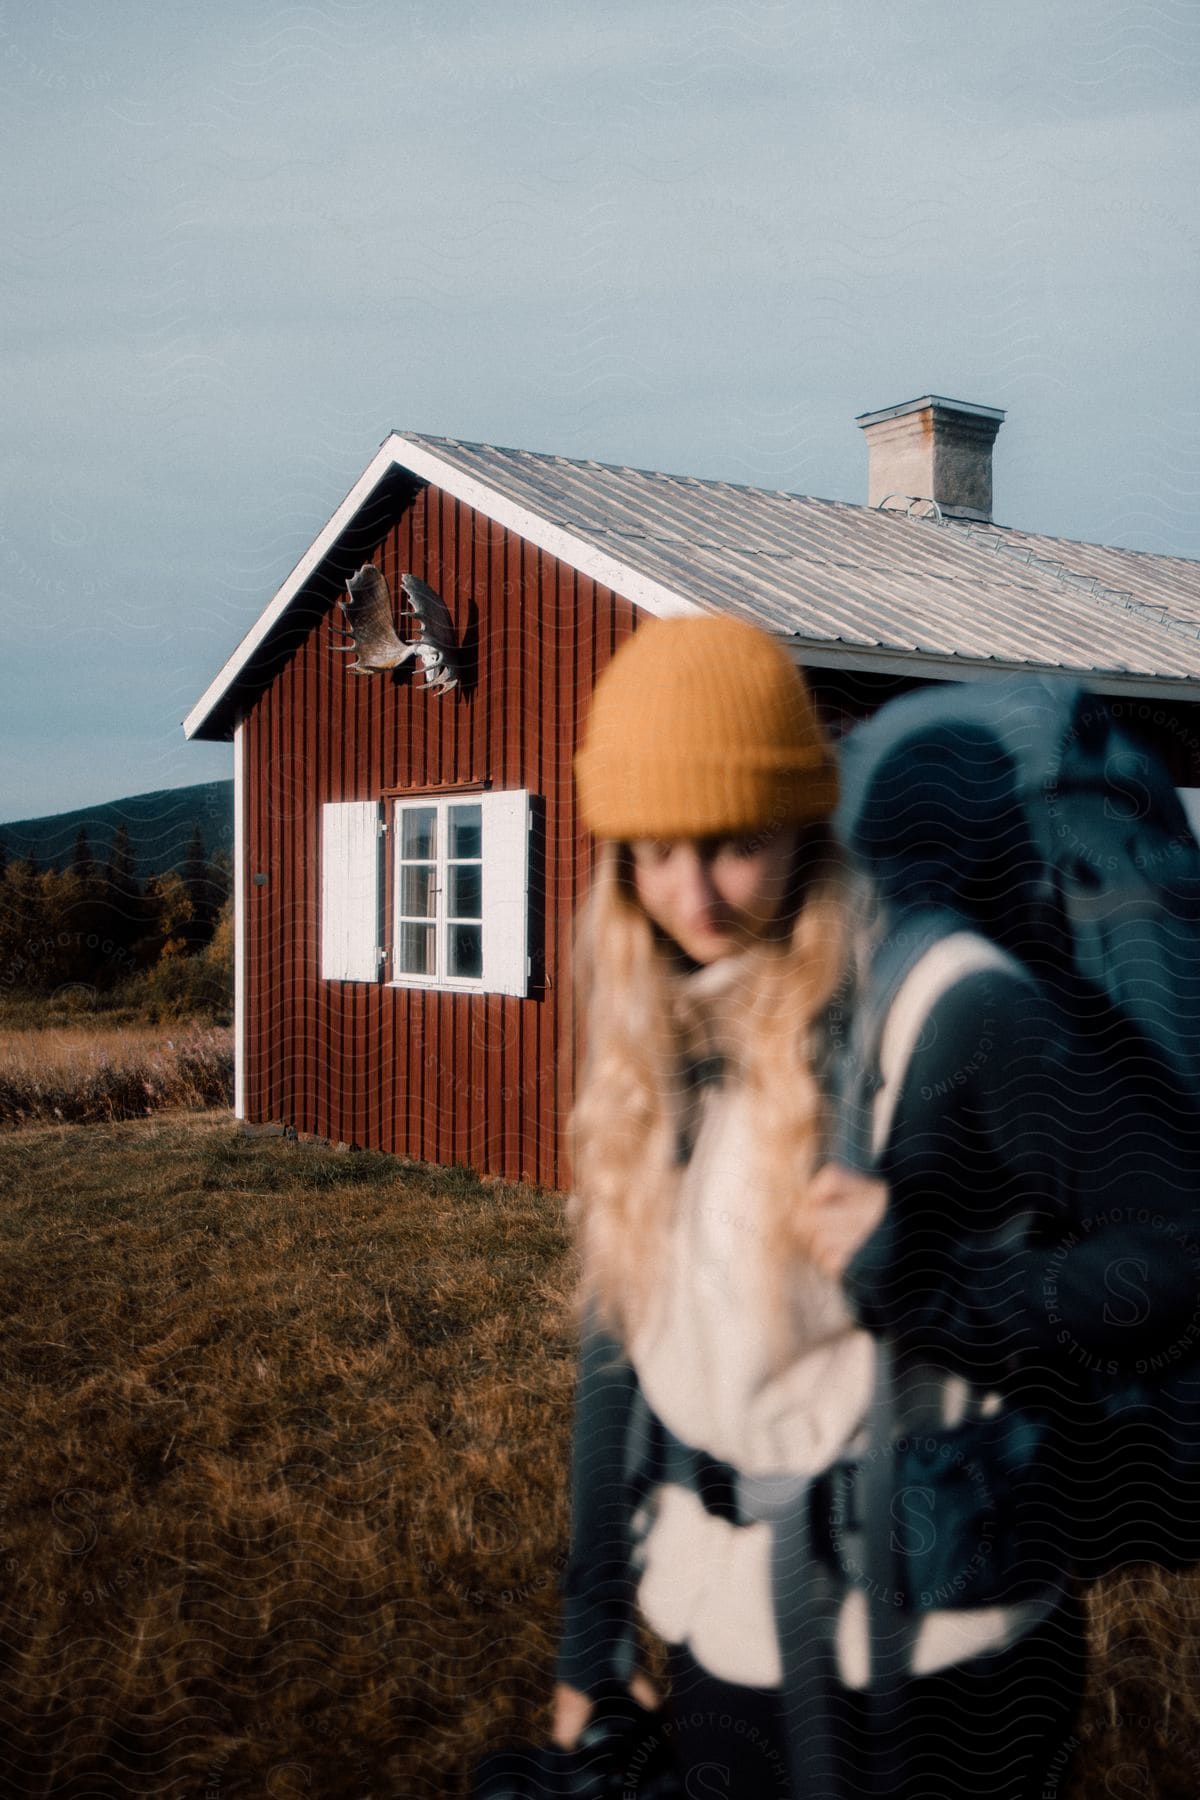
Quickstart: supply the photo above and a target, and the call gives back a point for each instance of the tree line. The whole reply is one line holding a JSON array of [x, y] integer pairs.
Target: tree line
[[96, 925]]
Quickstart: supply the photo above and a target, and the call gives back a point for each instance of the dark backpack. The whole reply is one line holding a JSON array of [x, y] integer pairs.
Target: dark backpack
[[1022, 810]]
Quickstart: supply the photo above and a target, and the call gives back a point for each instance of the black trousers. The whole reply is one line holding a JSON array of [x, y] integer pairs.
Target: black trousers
[[1000, 1727]]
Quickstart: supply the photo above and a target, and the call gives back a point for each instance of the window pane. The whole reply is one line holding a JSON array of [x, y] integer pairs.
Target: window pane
[[416, 890], [466, 890], [416, 950], [418, 831], [466, 833], [466, 950]]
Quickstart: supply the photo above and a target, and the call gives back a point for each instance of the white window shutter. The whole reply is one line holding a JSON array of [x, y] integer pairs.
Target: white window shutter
[[506, 892], [350, 891]]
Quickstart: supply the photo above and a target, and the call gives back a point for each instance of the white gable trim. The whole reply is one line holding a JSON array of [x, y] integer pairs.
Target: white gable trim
[[380, 465], [397, 451], [556, 540]]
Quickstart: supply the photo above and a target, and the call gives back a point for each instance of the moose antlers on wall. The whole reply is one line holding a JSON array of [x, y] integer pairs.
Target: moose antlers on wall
[[376, 645]]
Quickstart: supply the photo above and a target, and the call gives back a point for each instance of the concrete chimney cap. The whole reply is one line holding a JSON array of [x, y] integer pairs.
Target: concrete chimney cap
[[933, 448], [862, 420]]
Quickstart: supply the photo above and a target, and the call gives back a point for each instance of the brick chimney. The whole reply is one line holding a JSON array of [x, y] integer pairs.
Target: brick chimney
[[933, 449]]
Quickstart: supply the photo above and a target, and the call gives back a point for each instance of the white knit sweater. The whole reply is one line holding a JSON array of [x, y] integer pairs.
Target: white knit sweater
[[702, 1361]]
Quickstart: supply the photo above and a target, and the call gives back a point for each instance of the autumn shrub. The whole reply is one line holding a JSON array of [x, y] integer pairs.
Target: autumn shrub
[[179, 987], [172, 987]]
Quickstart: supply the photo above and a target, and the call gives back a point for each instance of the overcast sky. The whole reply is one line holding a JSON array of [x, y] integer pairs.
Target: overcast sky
[[244, 241]]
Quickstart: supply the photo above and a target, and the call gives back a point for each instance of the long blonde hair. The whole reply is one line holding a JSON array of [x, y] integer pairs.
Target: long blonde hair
[[624, 1127]]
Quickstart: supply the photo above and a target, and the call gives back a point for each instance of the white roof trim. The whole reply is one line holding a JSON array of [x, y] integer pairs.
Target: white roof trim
[[556, 540], [362, 490], [810, 654], [398, 451]]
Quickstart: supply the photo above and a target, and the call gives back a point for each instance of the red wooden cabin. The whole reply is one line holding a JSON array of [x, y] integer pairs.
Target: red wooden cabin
[[408, 863]]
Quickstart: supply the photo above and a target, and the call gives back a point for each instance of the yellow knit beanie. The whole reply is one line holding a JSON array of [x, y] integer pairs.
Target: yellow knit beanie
[[702, 726]]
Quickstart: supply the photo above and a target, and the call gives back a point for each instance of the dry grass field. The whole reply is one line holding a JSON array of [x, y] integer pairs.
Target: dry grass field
[[281, 1495], [282, 1490], [97, 1072]]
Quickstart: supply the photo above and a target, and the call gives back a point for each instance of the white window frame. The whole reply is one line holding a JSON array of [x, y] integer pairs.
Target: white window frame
[[504, 885]]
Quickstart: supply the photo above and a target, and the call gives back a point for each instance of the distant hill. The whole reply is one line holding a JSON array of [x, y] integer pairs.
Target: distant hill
[[159, 825]]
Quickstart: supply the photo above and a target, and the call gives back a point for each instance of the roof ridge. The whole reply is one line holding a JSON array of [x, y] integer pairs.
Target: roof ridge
[[592, 462], [983, 527], [993, 535]]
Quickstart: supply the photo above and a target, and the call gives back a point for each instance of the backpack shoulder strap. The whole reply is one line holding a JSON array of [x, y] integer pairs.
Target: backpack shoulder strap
[[891, 1634], [919, 960], [941, 968]]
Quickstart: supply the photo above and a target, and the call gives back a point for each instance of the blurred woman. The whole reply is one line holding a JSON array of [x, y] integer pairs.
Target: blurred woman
[[725, 1374]]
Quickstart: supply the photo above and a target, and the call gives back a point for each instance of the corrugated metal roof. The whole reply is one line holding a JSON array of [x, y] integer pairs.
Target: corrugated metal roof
[[833, 574], [849, 585]]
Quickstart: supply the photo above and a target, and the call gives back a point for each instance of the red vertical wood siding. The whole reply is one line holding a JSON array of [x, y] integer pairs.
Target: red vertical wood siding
[[478, 1079]]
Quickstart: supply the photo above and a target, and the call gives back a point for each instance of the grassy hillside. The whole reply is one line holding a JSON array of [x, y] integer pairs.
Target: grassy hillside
[[160, 825]]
